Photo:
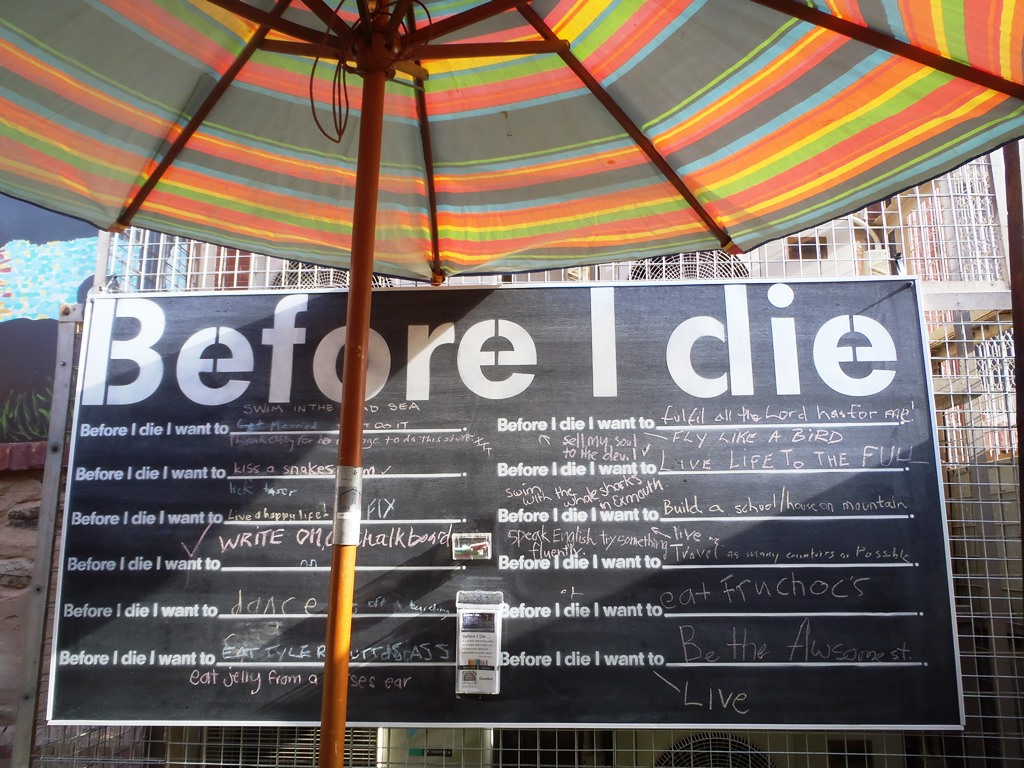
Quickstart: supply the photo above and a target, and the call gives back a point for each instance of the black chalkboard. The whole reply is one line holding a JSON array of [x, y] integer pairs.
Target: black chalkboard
[[708, 504]]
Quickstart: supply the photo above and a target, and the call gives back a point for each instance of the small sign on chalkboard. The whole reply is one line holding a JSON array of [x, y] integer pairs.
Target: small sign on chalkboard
[[479, 642]]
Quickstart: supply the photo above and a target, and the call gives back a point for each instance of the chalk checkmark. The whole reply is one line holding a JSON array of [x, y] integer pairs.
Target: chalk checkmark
[[192, 552]]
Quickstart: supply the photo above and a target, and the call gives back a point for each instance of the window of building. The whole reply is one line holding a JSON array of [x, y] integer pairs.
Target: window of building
[[804, 248]]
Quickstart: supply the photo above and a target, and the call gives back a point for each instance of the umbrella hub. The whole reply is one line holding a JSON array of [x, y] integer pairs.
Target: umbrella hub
[[375, 44], [375, 55]]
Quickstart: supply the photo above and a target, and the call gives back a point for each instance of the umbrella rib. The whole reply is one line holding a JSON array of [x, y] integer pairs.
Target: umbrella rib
[[484, 50], [284, 26], [428, 168], [200, 115], [327, 15], [889, 44], [365, 18], [398, 14], [631, 128], [314, 51], [459, 21], [425, 52]]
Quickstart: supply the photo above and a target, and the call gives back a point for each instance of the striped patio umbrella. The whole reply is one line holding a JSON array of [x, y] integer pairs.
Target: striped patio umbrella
[[424, 138], [657, 126]]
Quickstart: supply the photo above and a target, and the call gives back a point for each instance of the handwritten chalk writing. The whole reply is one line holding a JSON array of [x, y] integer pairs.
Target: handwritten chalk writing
[[679, 415], [873, 505], [261, 537], [289, 442], [812, 553], [403, 651], [892, 554], [902, 415], [827, 436], [264, 514], [781, 501], [238, 647], [277, 678], [380, 508], [610, 495], [807, 647], [528, 494], [404, 537], [203, 677], [654, 540], [853, 412], [271, 604], [685, 597], [253, 678], [712, 698], [318, 537], [886, 455], [741, 436], [309, 468], [691, 650], [843, 587], [687, 506], [682, 553], [262, 408]]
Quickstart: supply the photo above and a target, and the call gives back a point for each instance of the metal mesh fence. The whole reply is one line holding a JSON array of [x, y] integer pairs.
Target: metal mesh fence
[[948, 233]]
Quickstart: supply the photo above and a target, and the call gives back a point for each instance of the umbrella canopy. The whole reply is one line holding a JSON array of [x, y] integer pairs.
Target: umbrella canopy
[[517, 135]]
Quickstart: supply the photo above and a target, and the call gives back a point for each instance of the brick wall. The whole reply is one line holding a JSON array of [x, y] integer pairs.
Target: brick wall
[[19, 516]]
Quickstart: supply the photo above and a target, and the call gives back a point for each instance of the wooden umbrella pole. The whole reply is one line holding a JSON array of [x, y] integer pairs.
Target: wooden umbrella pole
[[348, 484]]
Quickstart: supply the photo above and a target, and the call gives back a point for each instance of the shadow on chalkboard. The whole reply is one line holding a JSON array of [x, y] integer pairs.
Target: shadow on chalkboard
[[389, 592]]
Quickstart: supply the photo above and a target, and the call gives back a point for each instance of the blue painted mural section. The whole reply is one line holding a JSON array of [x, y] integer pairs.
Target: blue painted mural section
[[35, 279]]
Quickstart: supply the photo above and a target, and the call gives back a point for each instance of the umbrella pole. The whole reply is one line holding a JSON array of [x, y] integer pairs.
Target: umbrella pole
[[348, 483]]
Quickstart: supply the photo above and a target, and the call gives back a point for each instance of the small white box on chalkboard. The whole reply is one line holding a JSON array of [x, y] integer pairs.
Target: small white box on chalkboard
[[479, 642], [471, 546]]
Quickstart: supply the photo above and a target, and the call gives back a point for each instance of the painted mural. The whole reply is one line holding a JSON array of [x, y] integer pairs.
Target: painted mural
[[37, 275]]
